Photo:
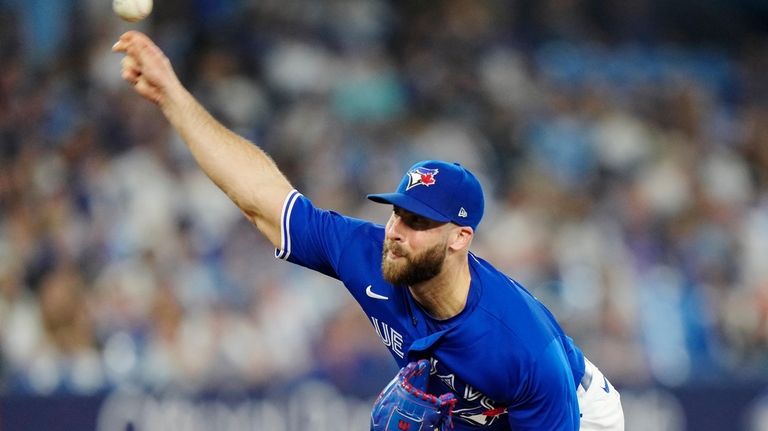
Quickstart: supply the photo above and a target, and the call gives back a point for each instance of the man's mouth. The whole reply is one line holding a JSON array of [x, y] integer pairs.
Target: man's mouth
[[394, 252]]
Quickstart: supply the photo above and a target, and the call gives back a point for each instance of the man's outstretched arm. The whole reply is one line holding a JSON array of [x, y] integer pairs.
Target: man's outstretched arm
[[241, 169]]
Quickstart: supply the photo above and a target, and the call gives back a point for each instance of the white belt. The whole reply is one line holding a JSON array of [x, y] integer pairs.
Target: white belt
[[586, 380]]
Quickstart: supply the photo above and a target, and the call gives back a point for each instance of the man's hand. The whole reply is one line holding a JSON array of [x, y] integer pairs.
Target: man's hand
[[146, 67]]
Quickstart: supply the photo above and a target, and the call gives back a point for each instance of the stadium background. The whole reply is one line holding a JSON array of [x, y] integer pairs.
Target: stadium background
[[623, 145]]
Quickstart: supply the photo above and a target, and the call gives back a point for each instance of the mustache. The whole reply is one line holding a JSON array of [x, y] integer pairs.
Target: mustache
[[394, 248]]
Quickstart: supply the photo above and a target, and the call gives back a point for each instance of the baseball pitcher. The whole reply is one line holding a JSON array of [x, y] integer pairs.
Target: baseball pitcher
[[477, 351]]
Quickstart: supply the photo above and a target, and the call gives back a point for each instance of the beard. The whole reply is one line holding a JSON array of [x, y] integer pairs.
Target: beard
[[410, 270]]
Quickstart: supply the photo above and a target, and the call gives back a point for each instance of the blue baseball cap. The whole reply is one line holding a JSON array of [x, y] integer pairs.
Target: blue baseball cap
[[441, 191]]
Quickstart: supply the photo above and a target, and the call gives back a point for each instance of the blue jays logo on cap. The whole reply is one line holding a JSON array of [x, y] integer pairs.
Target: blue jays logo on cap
[[421, 176], [451, 193]]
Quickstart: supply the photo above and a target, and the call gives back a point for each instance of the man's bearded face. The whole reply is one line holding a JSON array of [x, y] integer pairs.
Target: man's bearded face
[[407, 269]]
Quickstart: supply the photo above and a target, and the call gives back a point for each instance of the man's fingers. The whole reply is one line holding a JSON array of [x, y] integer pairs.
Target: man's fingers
[[130, 75], [122, 43], [129, 62], [143, 59], [127, 39], [136, 45], [147, 90], [130, 69], [143, 50]]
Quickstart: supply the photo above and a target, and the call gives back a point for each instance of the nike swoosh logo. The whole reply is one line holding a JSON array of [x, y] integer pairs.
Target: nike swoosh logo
[[369, 291], [606, 388]]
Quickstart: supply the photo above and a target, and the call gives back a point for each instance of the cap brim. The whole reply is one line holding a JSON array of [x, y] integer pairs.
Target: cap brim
[[410, 204]]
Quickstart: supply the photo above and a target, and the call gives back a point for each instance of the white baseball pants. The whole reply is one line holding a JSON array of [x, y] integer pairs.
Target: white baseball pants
[[599, 402]]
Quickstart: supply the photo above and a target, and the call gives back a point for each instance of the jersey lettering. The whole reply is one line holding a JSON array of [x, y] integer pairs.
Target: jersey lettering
[[390, 337], [470, 394], [475, 408]]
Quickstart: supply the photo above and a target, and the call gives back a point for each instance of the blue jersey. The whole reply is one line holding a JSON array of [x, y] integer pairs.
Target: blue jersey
[[504, 356]]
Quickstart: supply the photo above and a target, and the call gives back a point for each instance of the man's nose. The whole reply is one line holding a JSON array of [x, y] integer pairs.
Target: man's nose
[[394, 230]]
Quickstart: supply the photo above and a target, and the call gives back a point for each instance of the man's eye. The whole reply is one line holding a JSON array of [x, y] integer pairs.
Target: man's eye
[[418, 223]]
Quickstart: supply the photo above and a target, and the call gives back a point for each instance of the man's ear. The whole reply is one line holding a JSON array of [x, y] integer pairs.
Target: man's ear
[[461, 238]]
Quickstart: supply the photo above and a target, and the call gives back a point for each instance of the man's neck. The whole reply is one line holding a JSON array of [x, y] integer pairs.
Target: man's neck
[[445, 295]]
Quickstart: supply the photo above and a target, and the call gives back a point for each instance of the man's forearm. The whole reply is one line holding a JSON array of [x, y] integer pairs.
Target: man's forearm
[[241, 169]]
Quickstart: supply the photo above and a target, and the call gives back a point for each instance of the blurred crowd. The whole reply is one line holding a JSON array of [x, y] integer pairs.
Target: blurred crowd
[[625, 163]]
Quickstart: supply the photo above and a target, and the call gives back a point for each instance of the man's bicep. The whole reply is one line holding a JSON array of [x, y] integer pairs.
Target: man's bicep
[[313, 237]]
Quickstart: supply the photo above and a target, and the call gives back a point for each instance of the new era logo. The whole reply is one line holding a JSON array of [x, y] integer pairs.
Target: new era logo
[[463, 213]]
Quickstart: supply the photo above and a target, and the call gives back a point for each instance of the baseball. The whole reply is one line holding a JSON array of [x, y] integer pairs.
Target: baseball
[[132, 10]]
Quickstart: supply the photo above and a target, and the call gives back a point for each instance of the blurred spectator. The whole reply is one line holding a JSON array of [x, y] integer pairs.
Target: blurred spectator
[[59, 353]]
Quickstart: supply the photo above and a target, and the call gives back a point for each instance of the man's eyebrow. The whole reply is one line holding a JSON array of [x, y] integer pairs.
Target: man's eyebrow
[[403, 211], [411, 214]]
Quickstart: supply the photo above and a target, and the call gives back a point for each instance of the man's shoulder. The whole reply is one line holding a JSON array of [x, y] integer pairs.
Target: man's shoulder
[[362, 233], [507, 309], [354, 226], [360, 243], [500, 295]]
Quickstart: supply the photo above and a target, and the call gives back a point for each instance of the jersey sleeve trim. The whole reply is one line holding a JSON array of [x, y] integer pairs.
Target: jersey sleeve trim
[[285, 234]]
